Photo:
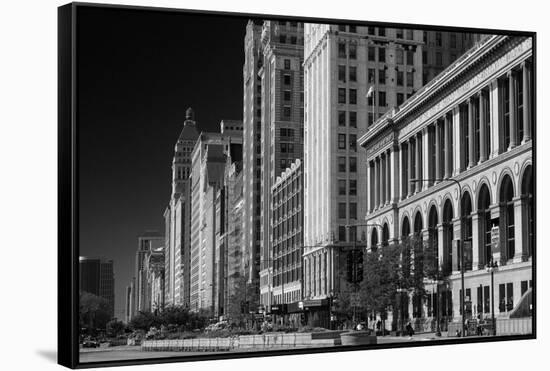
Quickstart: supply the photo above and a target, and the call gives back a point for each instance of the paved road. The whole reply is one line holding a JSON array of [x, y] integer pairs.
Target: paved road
[[129, 354]]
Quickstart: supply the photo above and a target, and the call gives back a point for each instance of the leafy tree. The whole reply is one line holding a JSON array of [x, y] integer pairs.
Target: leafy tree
[[144, 321], [115, 328], [94, 311]]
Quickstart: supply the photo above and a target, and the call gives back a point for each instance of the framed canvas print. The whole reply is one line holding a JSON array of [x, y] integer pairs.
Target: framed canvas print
[[241, 185]]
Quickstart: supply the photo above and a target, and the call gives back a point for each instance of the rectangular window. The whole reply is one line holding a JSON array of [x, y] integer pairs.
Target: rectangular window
[[352, 73], [523, 287], [400, 78], [381, 55], [286, 112], [341, 27], [371, 53], [501, 298], [381, 76], [370, 30], [353, 29], [400, 99], [453, 40], [342, 164], [293, 40], [341, 233], [352, 165], [509, 296], [342, 210], [424, 57], [399, 56], [353, 142], [410, 57], [438, 38], [409, 34], [371, 75], [342, 187], [282, 39], [287, 64], [352, 51], [399, 33], [286, 95], [353, 210], [505, 99], [286, 79], [382, 98], [342, 73], [341, 141], [341, 95], [410, 79], [381, 31], [341, 118], [353, 96], [353, 187], [353, 119], [438, 59], [486, 299], [342, 49]]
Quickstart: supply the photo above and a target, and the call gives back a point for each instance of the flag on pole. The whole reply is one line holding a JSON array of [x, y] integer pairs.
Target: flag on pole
[[370, 92]]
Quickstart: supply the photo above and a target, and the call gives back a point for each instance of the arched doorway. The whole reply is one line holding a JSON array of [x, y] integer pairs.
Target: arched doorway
[[405, 228], [448, 232], [466, 231], [484, 226], [385, 235], [528, 211], [507, 218], [374, 240], [433, 237]]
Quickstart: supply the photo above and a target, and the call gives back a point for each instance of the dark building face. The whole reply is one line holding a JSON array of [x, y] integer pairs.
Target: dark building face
[[96, 277]]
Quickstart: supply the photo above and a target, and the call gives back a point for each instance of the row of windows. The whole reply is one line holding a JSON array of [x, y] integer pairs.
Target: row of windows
[[284, 39], [352, 142], [352, 210], [342, 164], [347, 50], [342, 96], [343, 190], [352, 118], [352, 73]]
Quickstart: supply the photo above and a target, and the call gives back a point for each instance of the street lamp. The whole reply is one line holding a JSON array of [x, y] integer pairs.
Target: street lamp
[[463, 325], [492, 267]]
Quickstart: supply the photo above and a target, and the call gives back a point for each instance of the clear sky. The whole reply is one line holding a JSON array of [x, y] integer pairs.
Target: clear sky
[[138, 71]]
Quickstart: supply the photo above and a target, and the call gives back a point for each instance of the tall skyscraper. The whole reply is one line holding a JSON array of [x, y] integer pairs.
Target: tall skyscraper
[[208, 163], [353, 74], [252, 163], [96, 276], [282, 108], [178, 217]]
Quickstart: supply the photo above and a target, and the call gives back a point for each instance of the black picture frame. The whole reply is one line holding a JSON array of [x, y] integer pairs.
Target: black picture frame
[[68, 188]]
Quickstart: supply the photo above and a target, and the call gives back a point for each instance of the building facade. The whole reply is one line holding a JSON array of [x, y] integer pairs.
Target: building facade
[[287, 243], [177, 217], [282, 107], [353, 74], [147, 242], [208, 163], [96, 276], [154, 266], [465, 141], [252, 132]]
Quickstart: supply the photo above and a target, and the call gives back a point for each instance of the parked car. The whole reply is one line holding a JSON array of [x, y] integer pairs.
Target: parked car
[[90, 343]]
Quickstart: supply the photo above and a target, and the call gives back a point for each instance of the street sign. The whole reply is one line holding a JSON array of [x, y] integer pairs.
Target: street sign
[[495, 239]]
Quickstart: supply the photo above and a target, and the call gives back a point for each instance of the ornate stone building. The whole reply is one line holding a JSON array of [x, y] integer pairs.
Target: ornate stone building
[[451, 165]]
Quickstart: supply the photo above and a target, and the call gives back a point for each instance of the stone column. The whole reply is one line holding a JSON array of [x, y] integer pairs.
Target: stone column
[[526, 70], [457, 155], [448, 153], [410, 186], [388, 176], [382, 180], [437, 174], [418, 174], [494, 118], [395, 166], [475, 240], [369, 187], [512, 90], [482, 134], [519, 255], [425, 158], [440, 246], [376, 183], [402, 185], [471, 134]]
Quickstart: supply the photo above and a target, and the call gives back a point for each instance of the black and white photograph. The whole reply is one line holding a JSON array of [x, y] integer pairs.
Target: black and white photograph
[[274, 185], [298, 186]]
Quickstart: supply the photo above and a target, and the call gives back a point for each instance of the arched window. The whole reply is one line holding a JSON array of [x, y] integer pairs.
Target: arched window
[[528, 211], [405, 229], [485, 225], [374, 239], [448, 237], [418, 224], [433, 238], [385, 235], [466, 229], [507, 218]]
